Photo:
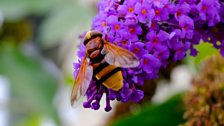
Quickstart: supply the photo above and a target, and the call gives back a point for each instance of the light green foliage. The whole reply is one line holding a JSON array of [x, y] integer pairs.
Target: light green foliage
[[168, 113], [205, 50], [32, 86]]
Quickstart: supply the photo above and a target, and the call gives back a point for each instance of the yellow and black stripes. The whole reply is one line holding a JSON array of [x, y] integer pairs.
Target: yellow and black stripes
[[99, 68], [108, 75], [105, 71]]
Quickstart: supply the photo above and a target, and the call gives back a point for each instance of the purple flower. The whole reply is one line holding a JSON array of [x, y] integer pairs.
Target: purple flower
[[138, 49], [124, 43], [181, 9], [114, 24], [156, 31], [181, 50], [149, 62], [138, 79], [76, 67], [193, 52], [208, 10], [156, 39], [99, 22], [159, 3], [81, 52], [187, 1], [122, 10], [153, 25], [108, 107], [136, 95], [125, 92], [131, 19], [104, 4], [187, 25], [161, 14], [133, 32], [130, 6], [145, 14], [162, 52]]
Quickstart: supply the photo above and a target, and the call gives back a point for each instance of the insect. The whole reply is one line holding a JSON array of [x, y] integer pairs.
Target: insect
[[103, 61]]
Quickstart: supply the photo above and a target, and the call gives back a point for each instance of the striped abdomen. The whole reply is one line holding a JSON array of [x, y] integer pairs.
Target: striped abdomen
[[109, 75]]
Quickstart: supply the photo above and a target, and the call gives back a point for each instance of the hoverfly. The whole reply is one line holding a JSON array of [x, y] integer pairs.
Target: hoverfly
[[103, 61]]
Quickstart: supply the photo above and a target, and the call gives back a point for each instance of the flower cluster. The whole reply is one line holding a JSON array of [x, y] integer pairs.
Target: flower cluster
[[157, 31], [204, 103]]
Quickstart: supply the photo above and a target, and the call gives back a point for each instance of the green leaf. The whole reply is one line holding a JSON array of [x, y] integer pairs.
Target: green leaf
[[33, 120], [205, 50], [168, 113], [32, 87]]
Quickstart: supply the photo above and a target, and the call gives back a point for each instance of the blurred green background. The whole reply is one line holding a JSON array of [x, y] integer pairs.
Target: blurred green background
[[38, 44]]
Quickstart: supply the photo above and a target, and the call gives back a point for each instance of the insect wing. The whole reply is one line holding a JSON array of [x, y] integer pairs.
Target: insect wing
[[120, 57], [81, 83]]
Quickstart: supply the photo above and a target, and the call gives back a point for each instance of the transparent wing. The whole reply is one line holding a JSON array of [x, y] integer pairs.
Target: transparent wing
[[120, 57], [81, 83]]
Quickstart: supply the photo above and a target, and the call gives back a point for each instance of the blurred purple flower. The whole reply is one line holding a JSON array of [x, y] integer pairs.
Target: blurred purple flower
[[136, 95], [208, 10]]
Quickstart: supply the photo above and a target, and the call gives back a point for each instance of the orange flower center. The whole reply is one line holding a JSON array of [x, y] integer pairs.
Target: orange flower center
[[117, 27], [144, 11], [157, 12], [155, 40], [145, 61], [104, 24], [153, 25], [179, 50], [136, 50], [185, 27], [159, 55], [204, 8], [131, 9], [124, 42], [178, 13], [132, 30]]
